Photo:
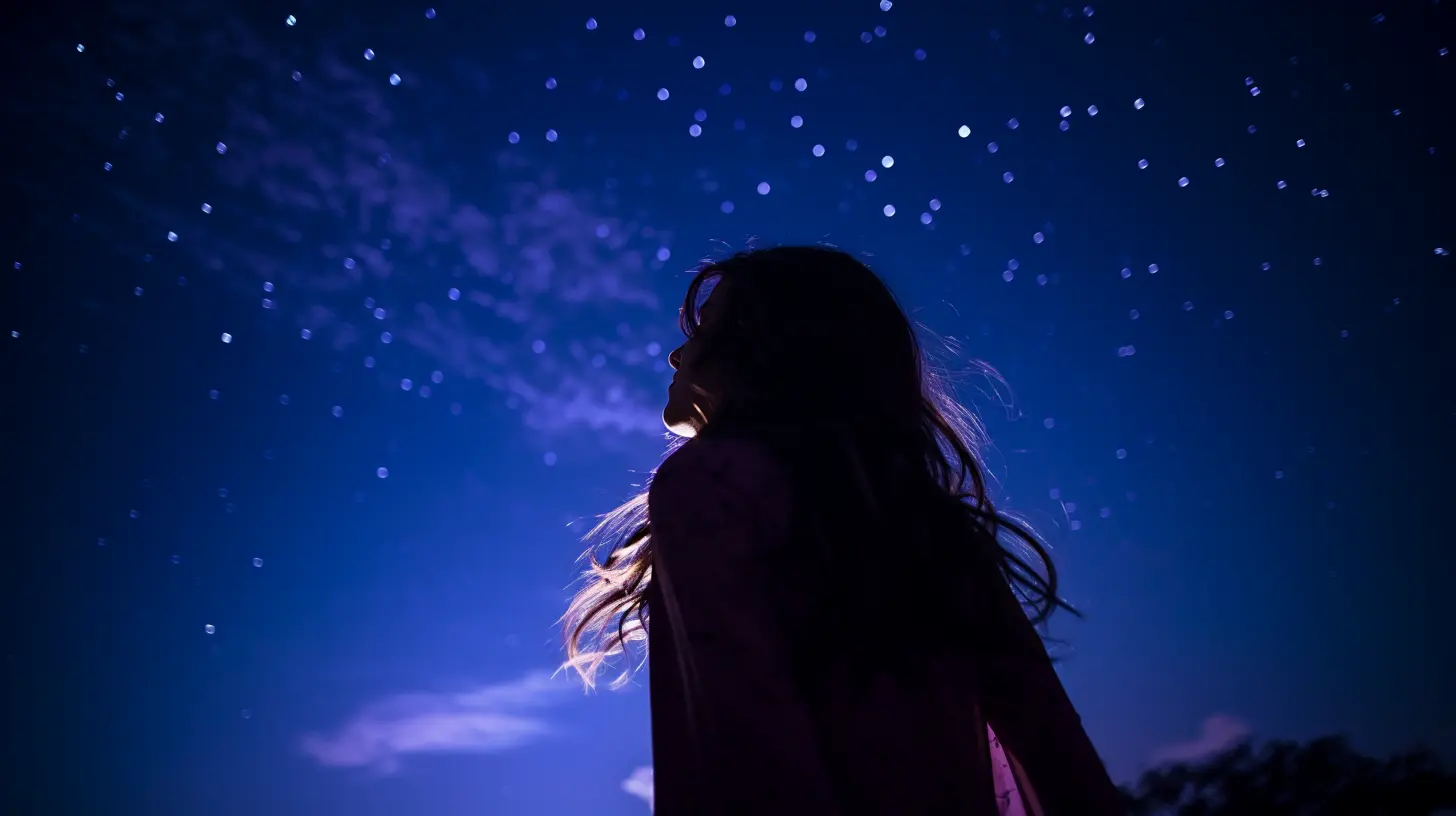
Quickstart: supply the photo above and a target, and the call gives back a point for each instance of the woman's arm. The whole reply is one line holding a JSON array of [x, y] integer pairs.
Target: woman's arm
[[1028, 708], [715, 506]]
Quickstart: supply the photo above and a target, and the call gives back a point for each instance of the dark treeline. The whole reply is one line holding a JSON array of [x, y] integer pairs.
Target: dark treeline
[[1279, 778]]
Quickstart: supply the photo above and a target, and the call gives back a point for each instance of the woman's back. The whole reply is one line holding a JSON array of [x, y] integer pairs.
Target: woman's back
[[743, 722], [832, 625]]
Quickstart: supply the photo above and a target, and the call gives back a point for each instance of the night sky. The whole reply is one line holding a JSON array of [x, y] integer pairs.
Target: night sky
[[328, 329]]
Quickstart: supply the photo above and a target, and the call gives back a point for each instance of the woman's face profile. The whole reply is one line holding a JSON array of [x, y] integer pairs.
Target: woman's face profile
[[694, 391]]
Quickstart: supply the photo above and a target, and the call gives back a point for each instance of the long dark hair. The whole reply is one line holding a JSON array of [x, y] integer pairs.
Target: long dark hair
[[829, 374]]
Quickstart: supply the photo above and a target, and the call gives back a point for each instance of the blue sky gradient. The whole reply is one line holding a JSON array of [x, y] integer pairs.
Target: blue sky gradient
[[328, 330]]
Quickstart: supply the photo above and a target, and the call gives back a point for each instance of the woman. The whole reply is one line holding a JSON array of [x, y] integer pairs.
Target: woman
[[837, 613]]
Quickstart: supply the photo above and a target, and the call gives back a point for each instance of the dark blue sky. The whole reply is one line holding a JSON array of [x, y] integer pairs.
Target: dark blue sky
[[318, 361]]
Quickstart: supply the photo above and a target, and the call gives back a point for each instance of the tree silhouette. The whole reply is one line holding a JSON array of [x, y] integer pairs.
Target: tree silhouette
[[1325, 776]]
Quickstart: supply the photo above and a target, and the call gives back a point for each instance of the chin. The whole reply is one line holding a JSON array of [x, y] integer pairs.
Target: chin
[[680, 427], [679, 422]]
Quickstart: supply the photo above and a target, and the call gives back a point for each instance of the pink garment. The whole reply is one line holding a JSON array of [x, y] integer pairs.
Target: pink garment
[[733, 732], [1008, 795]]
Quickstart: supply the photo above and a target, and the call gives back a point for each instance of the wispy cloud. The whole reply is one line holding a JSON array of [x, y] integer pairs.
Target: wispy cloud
[[497, 275], [639, 784], [1218, 733], [486, 719]]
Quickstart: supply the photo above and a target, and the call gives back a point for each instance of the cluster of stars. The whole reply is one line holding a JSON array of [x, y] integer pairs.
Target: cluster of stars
[[1064, 116]]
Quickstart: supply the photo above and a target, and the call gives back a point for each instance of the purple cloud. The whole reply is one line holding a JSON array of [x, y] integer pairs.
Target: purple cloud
[[639, 784], [497, 275], [487, 719], [1218, 733]]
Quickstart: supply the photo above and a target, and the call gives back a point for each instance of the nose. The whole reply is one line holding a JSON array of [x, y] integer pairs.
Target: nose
[[674, 359]]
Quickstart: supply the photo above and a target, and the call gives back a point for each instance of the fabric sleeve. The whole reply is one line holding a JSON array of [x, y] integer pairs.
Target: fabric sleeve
[[717, 507], [1032, 715]]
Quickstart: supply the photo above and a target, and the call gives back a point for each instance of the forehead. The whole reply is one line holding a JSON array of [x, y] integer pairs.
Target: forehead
[[713, 306], [711, 302]]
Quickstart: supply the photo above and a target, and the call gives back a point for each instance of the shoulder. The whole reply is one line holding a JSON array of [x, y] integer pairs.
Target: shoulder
[[717, 477], [733, 457]]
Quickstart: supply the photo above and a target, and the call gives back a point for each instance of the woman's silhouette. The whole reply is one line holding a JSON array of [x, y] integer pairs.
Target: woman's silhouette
[[838, 616]]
